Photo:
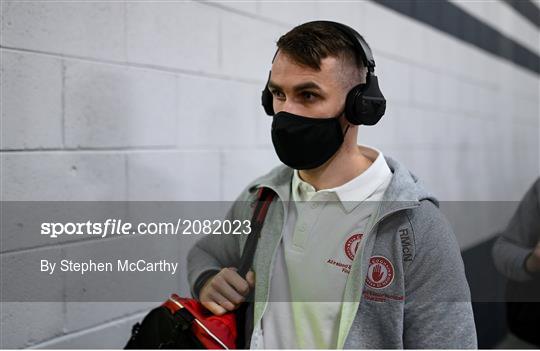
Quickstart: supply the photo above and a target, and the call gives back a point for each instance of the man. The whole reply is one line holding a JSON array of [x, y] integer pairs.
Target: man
[[354, 252], [516, 254]]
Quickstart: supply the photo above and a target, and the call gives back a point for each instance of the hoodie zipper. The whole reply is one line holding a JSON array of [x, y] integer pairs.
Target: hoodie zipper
[[273, 257], [285, 217]]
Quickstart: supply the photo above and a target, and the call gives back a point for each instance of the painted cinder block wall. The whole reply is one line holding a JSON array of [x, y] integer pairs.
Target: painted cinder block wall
[[107, 101]]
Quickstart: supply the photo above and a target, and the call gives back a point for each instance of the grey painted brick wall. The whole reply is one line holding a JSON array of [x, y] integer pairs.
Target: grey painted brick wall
[[161, 101]]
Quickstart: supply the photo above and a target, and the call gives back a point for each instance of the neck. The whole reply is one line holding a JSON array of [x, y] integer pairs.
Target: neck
[[345, 165]]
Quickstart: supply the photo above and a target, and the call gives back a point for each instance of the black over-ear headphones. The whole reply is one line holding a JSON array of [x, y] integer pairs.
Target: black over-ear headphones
[[365, 103]]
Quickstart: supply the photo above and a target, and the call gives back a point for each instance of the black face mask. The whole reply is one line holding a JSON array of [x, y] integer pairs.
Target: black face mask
[[303, 142]]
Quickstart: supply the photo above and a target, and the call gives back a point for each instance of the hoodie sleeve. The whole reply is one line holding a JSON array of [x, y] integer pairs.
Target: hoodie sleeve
[[211, 253], [438, 310], [517, 241]]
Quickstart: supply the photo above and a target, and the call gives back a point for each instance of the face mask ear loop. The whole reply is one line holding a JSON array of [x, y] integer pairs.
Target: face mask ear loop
[[348, 124], [346, 129]]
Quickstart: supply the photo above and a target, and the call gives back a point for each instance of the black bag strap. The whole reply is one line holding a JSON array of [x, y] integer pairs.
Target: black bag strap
[[264, 198], [244, 314]]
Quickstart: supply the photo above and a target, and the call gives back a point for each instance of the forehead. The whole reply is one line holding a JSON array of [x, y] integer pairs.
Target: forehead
[[287, 72]]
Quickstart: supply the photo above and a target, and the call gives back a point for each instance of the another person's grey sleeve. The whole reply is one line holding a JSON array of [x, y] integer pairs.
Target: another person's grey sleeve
[[517, 241]]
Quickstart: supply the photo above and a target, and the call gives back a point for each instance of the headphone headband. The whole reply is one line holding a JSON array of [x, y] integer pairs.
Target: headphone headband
[[359, 42]]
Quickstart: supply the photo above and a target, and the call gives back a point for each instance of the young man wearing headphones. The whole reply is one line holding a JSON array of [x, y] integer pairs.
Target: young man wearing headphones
[[354, 252]]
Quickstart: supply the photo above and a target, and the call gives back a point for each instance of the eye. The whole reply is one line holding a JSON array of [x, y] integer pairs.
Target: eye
[[309, 96], [278, 94]]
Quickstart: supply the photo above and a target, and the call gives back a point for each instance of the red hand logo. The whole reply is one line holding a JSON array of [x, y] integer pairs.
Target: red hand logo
[[377, 274]]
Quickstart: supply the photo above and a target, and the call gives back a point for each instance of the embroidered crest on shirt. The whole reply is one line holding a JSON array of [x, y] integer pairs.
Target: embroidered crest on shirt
[[380, 272], [351, 245], [349, 249]]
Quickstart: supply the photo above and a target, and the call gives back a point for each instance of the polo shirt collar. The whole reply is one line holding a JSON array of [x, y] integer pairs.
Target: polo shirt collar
[[355, 191]]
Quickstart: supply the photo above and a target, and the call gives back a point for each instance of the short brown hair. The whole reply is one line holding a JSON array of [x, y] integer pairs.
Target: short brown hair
[[309, 43]]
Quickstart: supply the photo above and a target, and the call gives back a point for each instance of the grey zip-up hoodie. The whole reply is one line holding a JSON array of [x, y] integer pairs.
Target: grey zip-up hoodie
[[427, 305]]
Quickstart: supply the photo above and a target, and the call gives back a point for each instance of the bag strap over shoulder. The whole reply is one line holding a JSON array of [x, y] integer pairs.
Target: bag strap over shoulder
[[264, 199]]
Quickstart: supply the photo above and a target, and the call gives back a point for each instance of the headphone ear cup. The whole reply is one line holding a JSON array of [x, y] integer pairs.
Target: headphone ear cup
[[353, 103], [267, 101], [365, 103]]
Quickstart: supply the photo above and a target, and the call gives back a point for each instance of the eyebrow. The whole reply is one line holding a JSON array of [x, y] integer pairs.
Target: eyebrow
[[296, 88]]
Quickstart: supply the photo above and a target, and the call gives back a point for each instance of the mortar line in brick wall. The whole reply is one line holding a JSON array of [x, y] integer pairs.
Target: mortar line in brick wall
[[63, 103], [1, 95], [60, 245], [221, 175], [177, 114], [64, 294], [194, 148], [125, 64], [246, 13], [105, 324], [220, 41], [269, 148], [125, 29], [101, 149], [126, 175]]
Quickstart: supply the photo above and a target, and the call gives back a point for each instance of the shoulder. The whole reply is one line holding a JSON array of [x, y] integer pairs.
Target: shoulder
[[274, 175], [433, 234], [249, 193], [428, 217]]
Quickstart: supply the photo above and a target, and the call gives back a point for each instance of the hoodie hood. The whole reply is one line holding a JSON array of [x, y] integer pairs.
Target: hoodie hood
[[405, 190]]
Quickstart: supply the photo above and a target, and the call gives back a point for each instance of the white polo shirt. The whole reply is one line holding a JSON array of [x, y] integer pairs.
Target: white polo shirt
[[319, 243]]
